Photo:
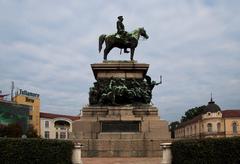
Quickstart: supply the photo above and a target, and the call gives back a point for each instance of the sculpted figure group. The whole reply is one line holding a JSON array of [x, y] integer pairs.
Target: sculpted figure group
[[116, 91]]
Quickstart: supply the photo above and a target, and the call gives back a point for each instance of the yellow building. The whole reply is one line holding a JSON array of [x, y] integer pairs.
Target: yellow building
[[32, 99], [211, 123]]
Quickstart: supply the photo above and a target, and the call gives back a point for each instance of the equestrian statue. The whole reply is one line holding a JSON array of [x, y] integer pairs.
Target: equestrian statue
[[122, 39]]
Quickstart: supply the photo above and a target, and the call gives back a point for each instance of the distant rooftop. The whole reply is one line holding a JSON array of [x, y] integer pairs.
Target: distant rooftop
[[225, 114], [52, 116], [231, 113], [2, 95]]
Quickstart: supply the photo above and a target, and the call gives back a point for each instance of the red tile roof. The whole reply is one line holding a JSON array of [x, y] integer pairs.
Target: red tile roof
[[194, 120], [225, 114], [231, 113], [52, 116], [2, 96]]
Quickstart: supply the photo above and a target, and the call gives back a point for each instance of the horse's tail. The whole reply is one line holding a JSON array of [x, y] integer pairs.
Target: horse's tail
[[101, 40]]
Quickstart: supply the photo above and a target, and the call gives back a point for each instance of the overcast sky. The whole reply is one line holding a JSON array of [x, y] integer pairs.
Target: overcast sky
[[47, 47]]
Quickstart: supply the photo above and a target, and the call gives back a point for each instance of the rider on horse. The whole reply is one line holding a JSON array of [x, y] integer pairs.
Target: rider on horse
[[121, 39], [121, 31]]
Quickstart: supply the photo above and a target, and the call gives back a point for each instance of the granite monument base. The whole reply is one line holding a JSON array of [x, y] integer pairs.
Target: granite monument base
[[121, 131]]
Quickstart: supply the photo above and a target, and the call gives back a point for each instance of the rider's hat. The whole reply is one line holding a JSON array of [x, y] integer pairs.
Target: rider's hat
[[120, 17]]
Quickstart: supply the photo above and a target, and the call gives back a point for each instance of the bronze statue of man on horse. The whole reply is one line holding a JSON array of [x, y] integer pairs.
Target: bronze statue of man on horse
[[121, 31], [122, 39]]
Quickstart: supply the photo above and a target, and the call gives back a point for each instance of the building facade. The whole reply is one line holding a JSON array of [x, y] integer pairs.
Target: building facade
[[56, 126], [211, 123], [31, 99], [12, 113], [2, 95]]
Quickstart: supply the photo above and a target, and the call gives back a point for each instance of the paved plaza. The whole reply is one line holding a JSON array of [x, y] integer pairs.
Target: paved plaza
[[154, 160]]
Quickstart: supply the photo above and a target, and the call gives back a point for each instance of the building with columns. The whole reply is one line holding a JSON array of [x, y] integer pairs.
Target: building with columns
[[56, 126], [213, 122]]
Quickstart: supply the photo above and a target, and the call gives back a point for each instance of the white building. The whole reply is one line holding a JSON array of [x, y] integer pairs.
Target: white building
[[56, 126]]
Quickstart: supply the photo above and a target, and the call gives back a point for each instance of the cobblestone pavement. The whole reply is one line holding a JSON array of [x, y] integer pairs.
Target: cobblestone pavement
[[121, 160]]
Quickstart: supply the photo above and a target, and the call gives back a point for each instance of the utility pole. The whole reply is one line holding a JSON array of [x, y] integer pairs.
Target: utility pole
[[12, 89]]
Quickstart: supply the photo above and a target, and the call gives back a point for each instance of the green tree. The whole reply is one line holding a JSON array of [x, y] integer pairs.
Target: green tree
[[193, 112], [172, 126]]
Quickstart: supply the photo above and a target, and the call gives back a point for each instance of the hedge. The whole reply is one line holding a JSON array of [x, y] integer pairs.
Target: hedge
[[207, 151], [35, 151]]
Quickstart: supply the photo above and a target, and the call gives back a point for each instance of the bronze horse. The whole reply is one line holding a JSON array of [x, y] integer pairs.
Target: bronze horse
[[112, 41]]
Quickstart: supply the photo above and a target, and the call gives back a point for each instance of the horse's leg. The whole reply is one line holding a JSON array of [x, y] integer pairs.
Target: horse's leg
[[132, 53], [106, 51], [105, 54]]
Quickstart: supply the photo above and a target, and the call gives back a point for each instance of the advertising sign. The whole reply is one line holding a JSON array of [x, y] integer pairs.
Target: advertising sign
[[27, 93], [11, 113]]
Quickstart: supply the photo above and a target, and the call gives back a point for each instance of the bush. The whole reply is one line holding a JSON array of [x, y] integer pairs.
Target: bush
[[35, 151], [207, 151]]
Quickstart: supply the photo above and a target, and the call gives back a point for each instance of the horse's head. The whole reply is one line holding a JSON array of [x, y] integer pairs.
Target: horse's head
[[143, 33]]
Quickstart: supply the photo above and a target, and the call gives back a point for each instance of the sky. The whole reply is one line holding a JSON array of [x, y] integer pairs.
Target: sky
[[46, 47]]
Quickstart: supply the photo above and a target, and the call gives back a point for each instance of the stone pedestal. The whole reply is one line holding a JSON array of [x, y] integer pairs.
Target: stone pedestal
[[167, 153], [122, 130], [76, 155], [119, 69]]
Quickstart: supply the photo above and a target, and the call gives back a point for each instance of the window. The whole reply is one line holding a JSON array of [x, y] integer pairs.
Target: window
[[56, 135], [62, 128], [46, 134], [46, 124], [62, 135], [30, 117], [29, 100], [218, 127], [209, 126], [234, 127]]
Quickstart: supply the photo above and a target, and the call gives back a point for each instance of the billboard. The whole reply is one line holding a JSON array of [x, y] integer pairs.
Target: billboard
[[27, 93], [11, 113]]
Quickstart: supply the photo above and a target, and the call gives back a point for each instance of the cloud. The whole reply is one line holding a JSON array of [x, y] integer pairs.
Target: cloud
[[47, 47]]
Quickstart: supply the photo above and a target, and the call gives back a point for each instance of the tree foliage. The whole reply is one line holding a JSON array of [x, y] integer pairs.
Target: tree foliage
[[193, 112], [172, 127]]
